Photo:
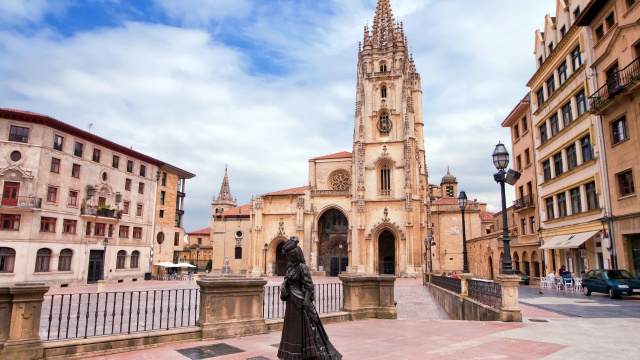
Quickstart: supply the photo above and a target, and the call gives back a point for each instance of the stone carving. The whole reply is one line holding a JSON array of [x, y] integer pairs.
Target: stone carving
[[361, 207], [386, 215], [281, 231], [300, 204], [341, 180], [455, 230]]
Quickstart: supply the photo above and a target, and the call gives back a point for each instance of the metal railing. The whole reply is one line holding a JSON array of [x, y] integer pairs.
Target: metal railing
[[74, 316], [329, 299], [615, 83], [109, 213], [486, 292], [28, 202], [451, 284], [523, 202]]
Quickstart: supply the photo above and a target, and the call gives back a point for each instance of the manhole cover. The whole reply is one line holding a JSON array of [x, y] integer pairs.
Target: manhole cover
[[538, 320], [210, 351]]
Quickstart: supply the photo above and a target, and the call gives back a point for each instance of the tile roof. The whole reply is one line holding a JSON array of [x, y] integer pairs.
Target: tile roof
[[340, 155], [206, 231], [240, 210], [486, 216], [294, 191]]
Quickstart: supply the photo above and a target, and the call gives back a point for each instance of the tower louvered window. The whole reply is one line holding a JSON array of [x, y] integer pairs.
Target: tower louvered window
[[385, 180]]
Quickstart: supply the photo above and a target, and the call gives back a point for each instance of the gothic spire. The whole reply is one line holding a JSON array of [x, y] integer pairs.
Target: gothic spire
[[383, 25], [225, 192]]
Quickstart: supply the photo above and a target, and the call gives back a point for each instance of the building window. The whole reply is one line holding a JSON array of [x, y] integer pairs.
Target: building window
[[549, 204], [69, 226], [52, 194], [120, 259], [563, 32], [164, 179], [551, 48], [137, 233], [99, 229], [43, 257], [88, 230], [199, 241], [576, 58], [115, 162], [139, 210], [525, 126], [567, 118], [57, 142], [619, 130], [55, 165], [610, 20], [162, 195], [543, 133], [129, 166], [576, 206], [77, 149], [540, 61], [551, 85], [383, 91], [140, 188], [176, 239], [75, 171], [599, 32], [562, 72], [553, 121], [9, 222], [630, 3], [124, 231], [527, 157], [540, 96], [592, 197], [178, 222], [7, 259], [64, 260], [557, 163], [587, 150], [532, 221], [127, 184], [15, 156], [19, 134], [581, 100], [238, 252], [385, 180], [519, 163], [96, 155], [576, 13], [125, 207], [546, 170], [524, 226], [161, 214], [572, 157], [384, 124], [516, 132], [625, 183], [562, 205], [135, 255], [143, 170]]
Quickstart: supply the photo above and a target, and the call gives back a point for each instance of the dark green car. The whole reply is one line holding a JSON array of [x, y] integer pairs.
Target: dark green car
[[615, 282]]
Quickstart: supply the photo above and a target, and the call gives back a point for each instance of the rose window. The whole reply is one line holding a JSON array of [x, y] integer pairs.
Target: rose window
[[340, 181]]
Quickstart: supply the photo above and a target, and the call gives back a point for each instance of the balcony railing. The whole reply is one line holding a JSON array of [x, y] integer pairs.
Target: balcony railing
[[108, 213], [523, 202], [615, 84], [331, 192], [23, 202]]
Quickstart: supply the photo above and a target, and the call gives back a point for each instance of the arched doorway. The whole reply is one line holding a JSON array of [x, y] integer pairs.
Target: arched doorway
[[281, 261], [490, 268], [333, 228], [515, 261], [387, 253]]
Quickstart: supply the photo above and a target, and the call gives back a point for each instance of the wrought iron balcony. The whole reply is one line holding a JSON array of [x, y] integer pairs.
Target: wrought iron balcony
[[523, 202], [616, 83], [23, 202], [107, 213]]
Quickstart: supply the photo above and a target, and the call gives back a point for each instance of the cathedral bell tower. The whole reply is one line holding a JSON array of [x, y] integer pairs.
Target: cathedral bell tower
[[224, 201], [389, 186]]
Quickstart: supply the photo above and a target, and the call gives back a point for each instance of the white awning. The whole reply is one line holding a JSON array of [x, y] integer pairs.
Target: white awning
[[183, 264], [166, 264], [571, 241]]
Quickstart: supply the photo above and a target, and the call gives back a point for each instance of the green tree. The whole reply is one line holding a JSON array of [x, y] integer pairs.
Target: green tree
[[209, 265]]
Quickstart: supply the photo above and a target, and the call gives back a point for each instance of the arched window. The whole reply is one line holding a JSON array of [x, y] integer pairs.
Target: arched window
[[43, 256], [384, 124], [122, 255], [383, 67], [385, 180], [64, 260], [238, 252], [7, 259], [134, 259], [383, 91]]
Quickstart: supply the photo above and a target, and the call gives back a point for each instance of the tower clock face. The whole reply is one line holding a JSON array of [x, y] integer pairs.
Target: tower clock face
[[384, 125]]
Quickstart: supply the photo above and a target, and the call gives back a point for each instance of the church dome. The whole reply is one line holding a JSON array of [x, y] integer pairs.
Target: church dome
[[449, 179]]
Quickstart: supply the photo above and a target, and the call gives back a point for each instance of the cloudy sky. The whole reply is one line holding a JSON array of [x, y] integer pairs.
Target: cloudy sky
[[264, 85]]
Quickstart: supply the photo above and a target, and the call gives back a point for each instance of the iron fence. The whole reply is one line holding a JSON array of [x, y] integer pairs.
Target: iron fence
[[451, 284], [74, 316], [615, 83], [329, 299], [486, 292]]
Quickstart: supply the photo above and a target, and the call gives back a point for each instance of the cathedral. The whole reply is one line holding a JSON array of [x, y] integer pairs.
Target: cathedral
[[362, 212]]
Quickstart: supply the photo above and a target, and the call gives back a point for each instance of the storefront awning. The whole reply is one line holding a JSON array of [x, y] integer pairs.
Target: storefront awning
[[571, 241]]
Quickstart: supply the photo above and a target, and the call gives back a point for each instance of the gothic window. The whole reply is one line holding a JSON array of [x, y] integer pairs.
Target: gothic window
[[383, 91], [340, 181], [384, 124], [383, 67], [238, 252], [385, 180]]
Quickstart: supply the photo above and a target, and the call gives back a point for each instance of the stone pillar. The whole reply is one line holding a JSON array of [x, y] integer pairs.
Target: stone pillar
[[5, 315], [369, 296], [231, 306], [464, 285], [24, 339], [510, 311], [102, 288]]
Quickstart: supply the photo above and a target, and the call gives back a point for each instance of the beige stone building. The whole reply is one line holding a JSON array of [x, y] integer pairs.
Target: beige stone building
[[569, 154], [612, 26], [66, 191], [486, 252]]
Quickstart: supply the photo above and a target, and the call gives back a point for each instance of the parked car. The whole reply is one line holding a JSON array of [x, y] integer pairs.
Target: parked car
[[615, 282], [524, 278]]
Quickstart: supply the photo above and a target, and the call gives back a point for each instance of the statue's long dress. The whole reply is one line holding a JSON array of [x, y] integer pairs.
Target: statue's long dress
[[303, 336]]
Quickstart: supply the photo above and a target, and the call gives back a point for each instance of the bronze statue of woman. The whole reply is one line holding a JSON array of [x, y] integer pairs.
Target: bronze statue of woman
[[303, 336]]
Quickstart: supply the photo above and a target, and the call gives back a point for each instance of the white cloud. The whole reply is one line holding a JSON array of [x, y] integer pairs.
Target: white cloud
[[201, 12], [30, 11]]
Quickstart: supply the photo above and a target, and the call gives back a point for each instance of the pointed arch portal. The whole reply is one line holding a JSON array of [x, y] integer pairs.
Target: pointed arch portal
[[333, 228], [386, 253]]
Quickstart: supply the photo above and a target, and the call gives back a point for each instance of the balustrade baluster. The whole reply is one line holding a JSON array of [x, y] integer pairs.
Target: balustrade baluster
[[50, 317], [86, 322], [95, 320], [78, 314]]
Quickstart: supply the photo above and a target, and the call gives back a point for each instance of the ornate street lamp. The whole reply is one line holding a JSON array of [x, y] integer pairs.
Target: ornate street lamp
[[501, 160], [462, 201], [105, 242], [197, 257], [266, 247], [428, 243]]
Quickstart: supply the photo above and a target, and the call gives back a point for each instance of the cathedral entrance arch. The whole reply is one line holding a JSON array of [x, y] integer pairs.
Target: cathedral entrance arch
[[281, 261], [333, 228], [386, 253]]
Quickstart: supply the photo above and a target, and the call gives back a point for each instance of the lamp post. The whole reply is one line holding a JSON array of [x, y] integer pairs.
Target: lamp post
[[266, 247], [105, 242], [500, 161], [462, 201], [197, 257], [428, 243]]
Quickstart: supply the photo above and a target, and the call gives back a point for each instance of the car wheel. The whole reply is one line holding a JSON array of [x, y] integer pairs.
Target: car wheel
[[586, 291], [612, 295]]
